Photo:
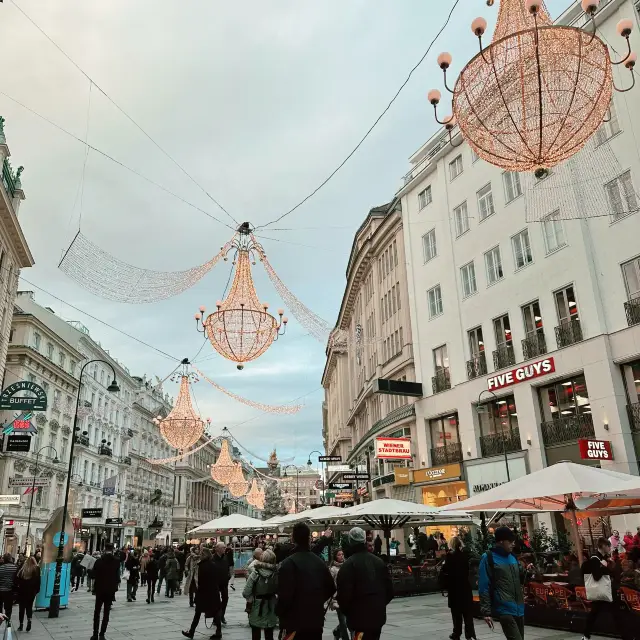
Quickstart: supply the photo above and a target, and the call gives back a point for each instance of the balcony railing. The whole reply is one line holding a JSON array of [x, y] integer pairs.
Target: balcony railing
[[8, 178], [126, 460], [82, 441], [382, 480], [533, 346], [496, 443], [503, 357], [127, 434], [450, 452], [477, 366], [441, 381], [103, 450], [634, 416], [568, 333], [632, 309], [567, 429]]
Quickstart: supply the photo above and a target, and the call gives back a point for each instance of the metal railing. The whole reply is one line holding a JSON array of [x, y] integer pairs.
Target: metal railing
[[568, 333], [477, 366], [82, 441], [496, 443], [632, 309], [441, 381], [633, 410], [567, 429], [504, 356], [8, 180], [449, 452], [103, 450], [533, 346], [382, 480]]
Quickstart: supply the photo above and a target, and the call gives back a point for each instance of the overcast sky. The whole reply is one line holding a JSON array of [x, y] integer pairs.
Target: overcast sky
[[259, 101]]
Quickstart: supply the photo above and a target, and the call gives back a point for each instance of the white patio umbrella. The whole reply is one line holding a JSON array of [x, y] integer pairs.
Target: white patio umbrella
[[233, 523]]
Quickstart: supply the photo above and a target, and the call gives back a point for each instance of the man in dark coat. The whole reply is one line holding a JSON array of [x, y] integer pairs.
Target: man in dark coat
[[106, 577], [207, 599], [377, 545], [363, 588], [220, 559], [455, 580], [304, 586]]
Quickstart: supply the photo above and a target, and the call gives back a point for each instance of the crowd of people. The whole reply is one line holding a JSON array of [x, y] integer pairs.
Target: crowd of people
[[19, 584]]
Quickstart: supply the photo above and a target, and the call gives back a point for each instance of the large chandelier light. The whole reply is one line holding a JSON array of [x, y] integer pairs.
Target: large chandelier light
[[238, 485], [538, 92], [240, 329], [253, 496], [223, 469]]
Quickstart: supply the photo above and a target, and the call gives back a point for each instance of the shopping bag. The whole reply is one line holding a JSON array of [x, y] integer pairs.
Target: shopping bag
[[8, 631], [598, 589]]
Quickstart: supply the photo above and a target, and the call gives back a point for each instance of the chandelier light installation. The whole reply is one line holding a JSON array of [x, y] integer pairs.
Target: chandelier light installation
[[223, 469], [238, 485], [253, 496], [241, 329], [538, 92]]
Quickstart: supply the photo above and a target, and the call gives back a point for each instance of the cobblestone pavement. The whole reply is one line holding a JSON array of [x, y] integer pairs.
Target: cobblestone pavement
[[408, 618]]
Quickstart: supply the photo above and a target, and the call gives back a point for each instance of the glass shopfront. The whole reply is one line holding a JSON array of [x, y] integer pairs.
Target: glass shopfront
[[565, 399]]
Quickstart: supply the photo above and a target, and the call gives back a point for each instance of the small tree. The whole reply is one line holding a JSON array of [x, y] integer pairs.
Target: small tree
[[273, 501]]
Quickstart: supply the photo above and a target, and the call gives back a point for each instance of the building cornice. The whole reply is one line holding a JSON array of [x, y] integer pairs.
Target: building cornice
[[29, 352]]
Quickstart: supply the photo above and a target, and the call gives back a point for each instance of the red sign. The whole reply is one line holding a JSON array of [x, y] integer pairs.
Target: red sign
[[595, 449], [393, 448], [21, 425], [77, 523], [520, 374]]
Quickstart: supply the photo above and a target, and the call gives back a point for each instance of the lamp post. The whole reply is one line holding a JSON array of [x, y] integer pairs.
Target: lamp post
[[322, 467], [54, 604], [297, 484], [33, 487], [504, 444], [75, 502]]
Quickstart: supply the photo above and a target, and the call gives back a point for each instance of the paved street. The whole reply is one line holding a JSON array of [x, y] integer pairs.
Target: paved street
[[408, 618]]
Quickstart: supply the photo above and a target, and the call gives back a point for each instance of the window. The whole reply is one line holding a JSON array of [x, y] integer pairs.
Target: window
[[468, 278], [398, 295], [424, 197], [49, 351], [565, 398], [522, 249], [455, 167], [37, 339], [622, 197], [502, 331], [532, 318], [395, 253], [72, 367], [444, 431], [31, 377], [553, 232], [512, 186], [631, 274], [441, 359], [476, 342], [474, 156], [485, 202], [609, 127], [11, 335], [434, 297], [497, 417], [461, 217], [493, 262], [566, 305], [62, 359], [429, 245]]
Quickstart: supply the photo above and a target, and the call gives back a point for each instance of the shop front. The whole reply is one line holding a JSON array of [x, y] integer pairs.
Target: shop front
[[486, 473]]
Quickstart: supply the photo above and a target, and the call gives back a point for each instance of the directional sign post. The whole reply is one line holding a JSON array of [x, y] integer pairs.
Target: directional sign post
[[356, 476], [330, 459], [341, 486], [29, 482], [10, 499]]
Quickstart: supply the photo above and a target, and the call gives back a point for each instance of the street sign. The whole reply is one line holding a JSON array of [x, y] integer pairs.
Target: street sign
[[113, 522], [319, 485], [8, 523], [37, 401], [356, 476], [10, 532], [18, 443], [93, 512], [29, 482], [330, 459], [341, 486], [330, 496], [10, 499], [338, 468]]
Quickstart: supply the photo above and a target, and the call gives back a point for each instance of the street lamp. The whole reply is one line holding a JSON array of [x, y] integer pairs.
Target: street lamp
[[54, 605], [322, 466], [33, 487], [504, 444], [297, 483]]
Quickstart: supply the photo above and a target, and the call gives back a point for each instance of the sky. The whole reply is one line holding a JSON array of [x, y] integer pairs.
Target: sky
[[259, 102]]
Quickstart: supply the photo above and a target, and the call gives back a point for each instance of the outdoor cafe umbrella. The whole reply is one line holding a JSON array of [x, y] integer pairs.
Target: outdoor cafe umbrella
[[232, 523]]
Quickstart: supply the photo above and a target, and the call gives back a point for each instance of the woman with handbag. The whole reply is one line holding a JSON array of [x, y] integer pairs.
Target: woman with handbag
[[207, 598]]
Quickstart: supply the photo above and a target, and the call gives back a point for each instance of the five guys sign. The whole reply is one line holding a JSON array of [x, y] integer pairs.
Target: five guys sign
[[520, 374], [595, 449]]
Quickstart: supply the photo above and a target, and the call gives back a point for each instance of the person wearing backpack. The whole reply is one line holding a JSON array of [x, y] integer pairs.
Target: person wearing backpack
[[261, 588], [500, 586]]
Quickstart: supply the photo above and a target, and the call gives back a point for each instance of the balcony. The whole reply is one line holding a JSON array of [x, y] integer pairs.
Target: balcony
[[568, 334], [450, 452], [634, 416], [441, 381], [104, 450], [533, 346], [503, 357], [498, 443], [568, 429], [82, 441], [382, 480], [127, 434], [126, 460], [632, 309], [477, 366]]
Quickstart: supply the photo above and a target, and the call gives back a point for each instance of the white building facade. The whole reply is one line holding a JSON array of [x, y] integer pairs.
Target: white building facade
[[526, 336]]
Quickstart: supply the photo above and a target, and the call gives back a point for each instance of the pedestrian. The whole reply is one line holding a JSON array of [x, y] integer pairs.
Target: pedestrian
[[76, 570], [455, 580], [231, 563], [122, 556], [172, 573], [304, 585], [431, 546], [341, 631], [144, 561], [628, 541], [8, 572], [21, 560], [220, 558], [162, 563], [152, 577], [181, 557], [191, 572], [261, 589], [257, 556], [27, 587], [132, 565], [364, 589], [207, 597], [106, 577], [442, 543], [615, 542], [377, 545], [90, 573], [500, 586]]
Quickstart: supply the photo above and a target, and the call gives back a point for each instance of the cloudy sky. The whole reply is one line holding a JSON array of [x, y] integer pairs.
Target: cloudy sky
[[259, 101]]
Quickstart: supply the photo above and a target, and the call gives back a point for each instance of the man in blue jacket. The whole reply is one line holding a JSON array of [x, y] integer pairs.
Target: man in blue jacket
[[500, 586]]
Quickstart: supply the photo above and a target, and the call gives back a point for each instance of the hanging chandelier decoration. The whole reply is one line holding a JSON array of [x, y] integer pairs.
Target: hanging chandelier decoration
[[224, 467], [183, 427], [238, 484], [241, 329], [254, 497], [538, 92]]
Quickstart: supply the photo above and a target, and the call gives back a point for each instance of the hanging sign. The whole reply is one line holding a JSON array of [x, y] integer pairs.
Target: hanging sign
[[10, 499], [21, 424], [520, 374], [595, 449], [330, 459], [92, 512], [29, 482], [37, 401], [338, 468], [341, 486], [393, 448], [19, 443], [356, 476]]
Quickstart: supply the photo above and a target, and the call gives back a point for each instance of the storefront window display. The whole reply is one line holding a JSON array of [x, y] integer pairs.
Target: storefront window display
[[498, 416], [565, 398]]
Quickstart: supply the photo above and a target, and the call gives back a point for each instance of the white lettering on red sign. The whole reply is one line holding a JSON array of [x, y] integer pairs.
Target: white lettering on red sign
[[520, 374], [595, 449], [393, 448]]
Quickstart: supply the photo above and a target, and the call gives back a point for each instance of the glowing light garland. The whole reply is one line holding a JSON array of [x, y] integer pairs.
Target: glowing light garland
[[537, 93], [238, 485]]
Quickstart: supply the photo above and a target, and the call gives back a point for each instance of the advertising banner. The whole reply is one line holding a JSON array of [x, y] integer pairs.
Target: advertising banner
[[393, 448]]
